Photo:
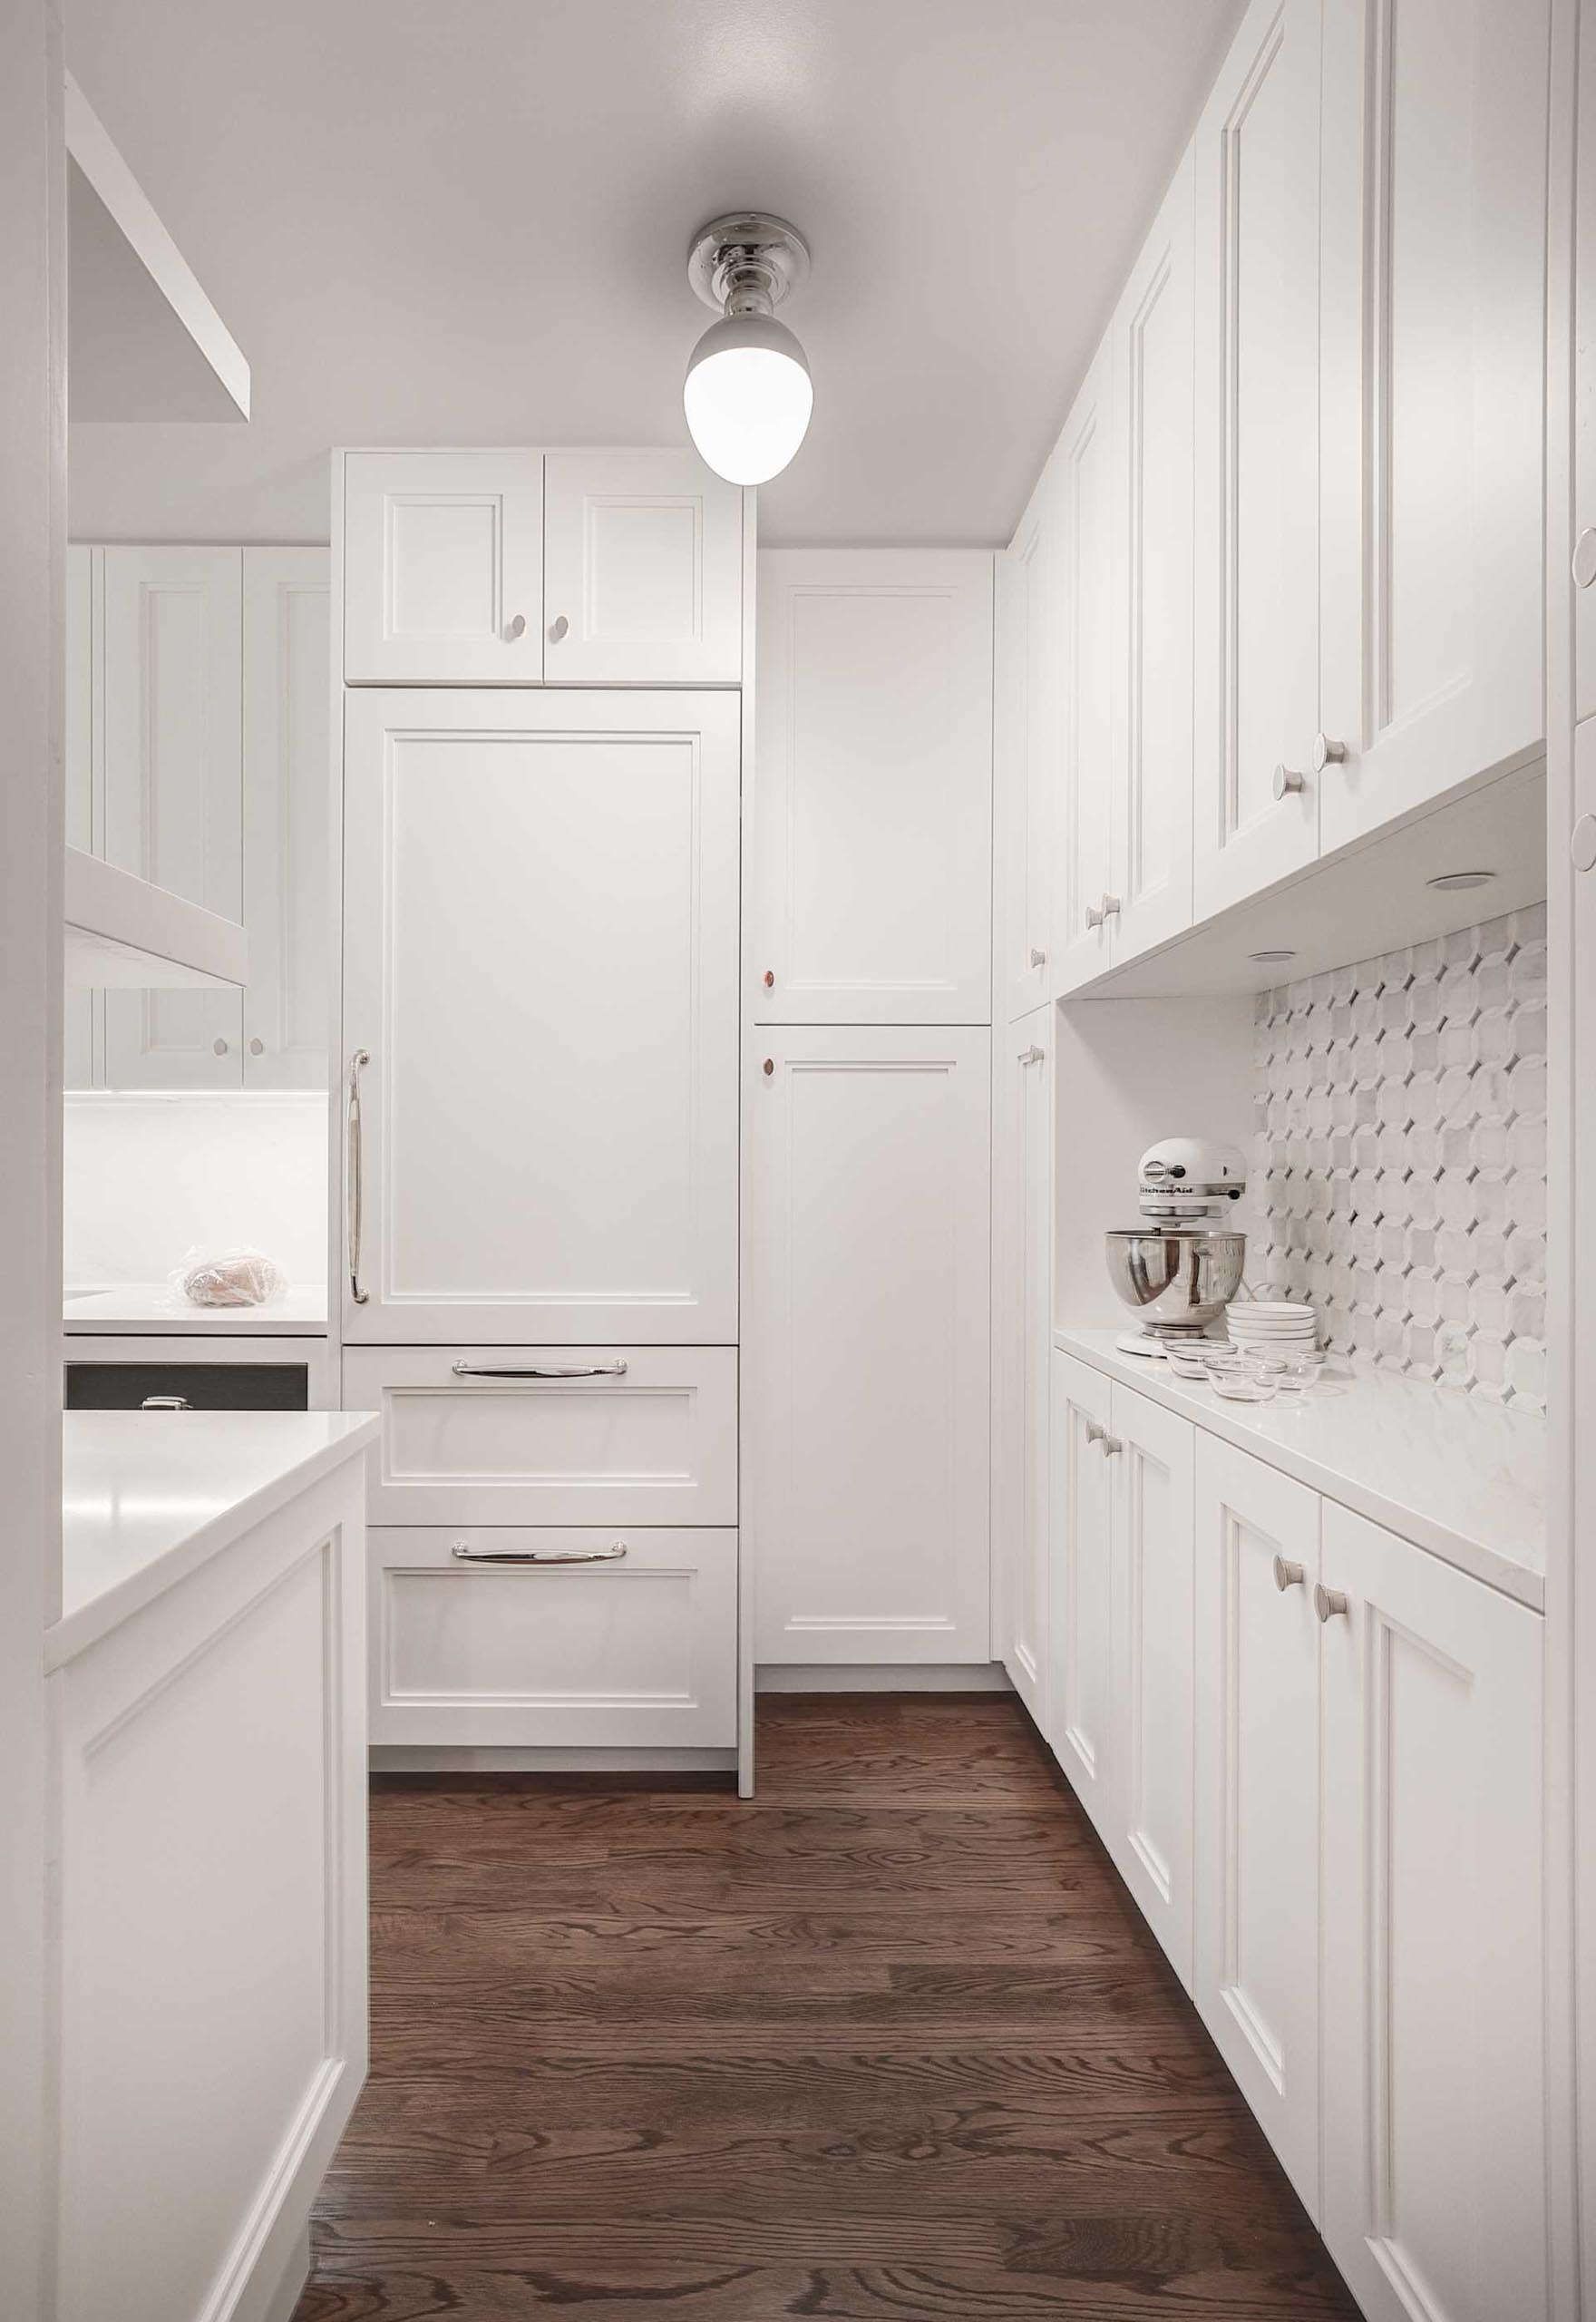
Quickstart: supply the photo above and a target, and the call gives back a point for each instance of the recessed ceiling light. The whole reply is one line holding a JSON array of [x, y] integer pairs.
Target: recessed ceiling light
[[1454, 883], [748, 393], [1269, 958]]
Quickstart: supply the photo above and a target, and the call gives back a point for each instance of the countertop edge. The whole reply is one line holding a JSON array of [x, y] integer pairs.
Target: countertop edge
[[75, 1632], [1476, 1558]]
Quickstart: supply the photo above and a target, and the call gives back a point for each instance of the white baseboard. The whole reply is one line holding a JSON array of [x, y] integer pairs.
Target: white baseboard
[[882, 1677], [403, 1758]]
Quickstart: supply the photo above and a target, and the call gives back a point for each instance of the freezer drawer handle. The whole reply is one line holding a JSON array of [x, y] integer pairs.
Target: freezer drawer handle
[[540, 1371], [467, 1555], [361, 1057]]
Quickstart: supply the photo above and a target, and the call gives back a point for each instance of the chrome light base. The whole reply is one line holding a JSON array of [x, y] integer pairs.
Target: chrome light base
[[747, 262]]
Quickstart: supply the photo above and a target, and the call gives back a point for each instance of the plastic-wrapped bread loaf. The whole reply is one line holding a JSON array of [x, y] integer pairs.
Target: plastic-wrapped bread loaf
[[241, 1278]]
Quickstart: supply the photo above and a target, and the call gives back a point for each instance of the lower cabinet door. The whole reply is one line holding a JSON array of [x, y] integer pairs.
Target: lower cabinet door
[[548, 1435], [1080, 1587], [510, 1637], [1434, 2155], [1151, 1452], [1256, 1979]]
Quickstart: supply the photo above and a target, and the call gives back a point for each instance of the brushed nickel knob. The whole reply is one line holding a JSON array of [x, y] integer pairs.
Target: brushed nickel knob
[[1584, 558], [1287, 1575], [1327, 753], [1111, 906], [559, 630], [517, 627], [1038, 959], [1581, 843], [1329, 1604], [1094, 914], [1112, 1447], [1094, 1433], [257, 1047], [219, 1048], [1285, 781]]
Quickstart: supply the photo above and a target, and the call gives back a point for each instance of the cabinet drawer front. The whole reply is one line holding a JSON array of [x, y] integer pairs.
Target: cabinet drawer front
[[443, 568], [655, 1441], [526, 1652]]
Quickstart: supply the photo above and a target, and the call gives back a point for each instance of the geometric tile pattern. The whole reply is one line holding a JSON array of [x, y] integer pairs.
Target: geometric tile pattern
[[1400, 1159]]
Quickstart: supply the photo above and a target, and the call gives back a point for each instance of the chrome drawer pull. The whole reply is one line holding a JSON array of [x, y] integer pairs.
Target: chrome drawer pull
[[539, 1369], [464, 1555]]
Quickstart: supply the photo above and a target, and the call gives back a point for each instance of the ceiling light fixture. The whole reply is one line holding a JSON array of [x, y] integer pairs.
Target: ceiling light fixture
[[748, 393], [1452, 882], [1267, 959]]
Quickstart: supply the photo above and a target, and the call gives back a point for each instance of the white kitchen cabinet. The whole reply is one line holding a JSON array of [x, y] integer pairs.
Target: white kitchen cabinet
[[1023, 1081], [287, 816], [81, 1025], [870, 878], [1433, 1936], [1089, 508], [642, 570], [173, 811], [1026, 747], [1256, 1969], [1151, 1805], [443, 568], [497, 1435], [1433, 241], [1256, 161], [1150, 654], [553, 1639], [868, 1352], [541, 924], [1080, 1585]]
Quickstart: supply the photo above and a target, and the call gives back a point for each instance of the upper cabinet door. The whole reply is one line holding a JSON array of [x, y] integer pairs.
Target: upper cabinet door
[[871, 876], [287, 816], [1153, 388], [867, 1365], [1084, 908], [1435, 128], [643, 570], [173, 802], [541, 915], [1435, 2154], [443, 568], [1026, 747], [1256, 156]]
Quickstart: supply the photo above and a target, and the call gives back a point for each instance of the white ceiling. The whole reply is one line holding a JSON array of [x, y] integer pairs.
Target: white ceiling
[[466, 221]]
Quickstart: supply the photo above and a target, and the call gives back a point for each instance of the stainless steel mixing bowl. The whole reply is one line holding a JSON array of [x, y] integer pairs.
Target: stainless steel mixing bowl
[[1176, 1274]]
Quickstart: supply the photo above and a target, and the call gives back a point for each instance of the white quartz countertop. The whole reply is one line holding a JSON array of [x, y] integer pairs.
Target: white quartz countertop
[[1459, 1476], [148, 1495], [147, 1310]]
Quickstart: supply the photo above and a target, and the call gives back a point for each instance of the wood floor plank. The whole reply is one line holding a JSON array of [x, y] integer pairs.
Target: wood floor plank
[[886, 2044]]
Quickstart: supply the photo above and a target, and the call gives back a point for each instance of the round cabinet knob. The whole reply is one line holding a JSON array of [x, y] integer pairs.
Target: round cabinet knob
[[1327, 753], [1286, 781], [219, 1048], [1038, 959], [770, 1065], [1584, 558], [768, 979], [1094, 1432], [1581, 843], [1329, 1604], [1287, 1575], [559, 630], [257, 1048], [1111, 906], [1094, 914], [517, 627]]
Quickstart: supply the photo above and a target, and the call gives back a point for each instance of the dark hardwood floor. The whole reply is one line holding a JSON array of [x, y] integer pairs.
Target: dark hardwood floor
[[888, 2042]]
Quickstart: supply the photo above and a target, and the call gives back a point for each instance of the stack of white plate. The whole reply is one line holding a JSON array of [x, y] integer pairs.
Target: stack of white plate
[[1271, 1326]]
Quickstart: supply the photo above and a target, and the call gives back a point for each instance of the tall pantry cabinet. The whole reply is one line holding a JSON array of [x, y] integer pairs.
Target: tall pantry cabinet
[[541, 733], [867, 1111]]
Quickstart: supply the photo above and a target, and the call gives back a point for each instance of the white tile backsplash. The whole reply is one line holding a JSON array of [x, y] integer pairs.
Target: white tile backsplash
[[1400, 1165], [145, 1178]]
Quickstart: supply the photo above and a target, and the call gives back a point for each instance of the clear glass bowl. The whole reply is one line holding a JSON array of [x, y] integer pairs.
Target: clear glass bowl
[[1243, 1383]]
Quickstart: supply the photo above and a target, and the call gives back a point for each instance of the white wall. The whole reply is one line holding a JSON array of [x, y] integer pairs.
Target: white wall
[[146, 1177]]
